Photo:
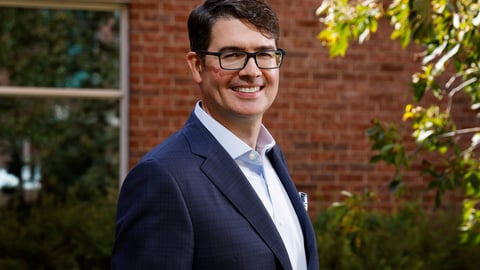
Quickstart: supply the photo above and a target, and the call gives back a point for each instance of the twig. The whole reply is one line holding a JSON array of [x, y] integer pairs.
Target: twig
[[460, 132], [458, 88]]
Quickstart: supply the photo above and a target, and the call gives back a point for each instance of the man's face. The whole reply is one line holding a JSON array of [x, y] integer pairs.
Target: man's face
[[237, 95]]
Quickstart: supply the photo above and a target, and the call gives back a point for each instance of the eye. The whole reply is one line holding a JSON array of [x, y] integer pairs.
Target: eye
[[233, 55], [266, 54]]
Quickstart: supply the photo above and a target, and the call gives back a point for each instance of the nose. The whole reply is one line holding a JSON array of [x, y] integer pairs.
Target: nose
[[251, 69]]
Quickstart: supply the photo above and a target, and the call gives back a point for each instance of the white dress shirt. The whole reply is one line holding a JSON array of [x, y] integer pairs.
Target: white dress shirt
[[262, 177]]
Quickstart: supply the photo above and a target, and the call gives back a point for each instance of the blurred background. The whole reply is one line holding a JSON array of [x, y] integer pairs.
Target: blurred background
[[88, 87]]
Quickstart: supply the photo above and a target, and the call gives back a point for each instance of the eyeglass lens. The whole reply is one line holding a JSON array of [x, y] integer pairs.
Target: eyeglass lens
[[268, 59]]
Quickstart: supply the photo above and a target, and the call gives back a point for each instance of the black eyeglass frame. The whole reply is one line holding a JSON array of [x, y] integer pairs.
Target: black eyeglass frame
[[248, 54]]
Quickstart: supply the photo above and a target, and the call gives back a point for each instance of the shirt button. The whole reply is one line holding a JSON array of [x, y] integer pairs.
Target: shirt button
[[251, 156]]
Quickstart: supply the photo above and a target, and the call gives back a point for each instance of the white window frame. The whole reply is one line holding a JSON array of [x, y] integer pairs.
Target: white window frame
[[121, 94]]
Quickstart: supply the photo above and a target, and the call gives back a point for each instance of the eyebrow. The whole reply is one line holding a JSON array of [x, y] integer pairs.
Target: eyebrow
[[233, 48]]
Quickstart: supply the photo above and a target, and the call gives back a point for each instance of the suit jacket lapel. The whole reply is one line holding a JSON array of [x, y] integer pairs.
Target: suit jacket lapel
[[222, 170], [282, 172], [277, 159]]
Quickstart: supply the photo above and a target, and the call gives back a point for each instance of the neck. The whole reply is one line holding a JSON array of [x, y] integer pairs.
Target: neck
[[245, 128], [248, 133]]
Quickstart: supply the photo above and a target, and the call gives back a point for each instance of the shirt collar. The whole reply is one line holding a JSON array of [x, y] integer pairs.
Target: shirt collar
[[232, 144]]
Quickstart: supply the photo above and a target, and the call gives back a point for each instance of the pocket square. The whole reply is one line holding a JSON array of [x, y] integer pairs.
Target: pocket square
[[304, 198]]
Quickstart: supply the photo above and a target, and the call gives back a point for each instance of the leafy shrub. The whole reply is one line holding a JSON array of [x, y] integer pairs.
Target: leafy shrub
[[352, 237], [76, 234]]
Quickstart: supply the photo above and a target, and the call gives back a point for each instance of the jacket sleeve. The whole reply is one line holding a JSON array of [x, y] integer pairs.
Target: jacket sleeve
[[153, 227]]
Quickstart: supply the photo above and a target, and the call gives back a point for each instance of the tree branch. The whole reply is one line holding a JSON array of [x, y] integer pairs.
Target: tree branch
[[460, 132]]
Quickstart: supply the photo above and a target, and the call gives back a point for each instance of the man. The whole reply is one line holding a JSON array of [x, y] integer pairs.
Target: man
[[217, 194]]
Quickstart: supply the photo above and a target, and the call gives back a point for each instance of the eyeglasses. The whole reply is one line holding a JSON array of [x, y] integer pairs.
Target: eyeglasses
[[237, 60]]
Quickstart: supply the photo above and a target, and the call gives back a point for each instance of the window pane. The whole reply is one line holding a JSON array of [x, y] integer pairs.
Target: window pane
[[54, 144], [59, 48]]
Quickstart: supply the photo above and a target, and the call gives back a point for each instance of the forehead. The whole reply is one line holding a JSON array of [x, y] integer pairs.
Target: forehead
[[234, 33]]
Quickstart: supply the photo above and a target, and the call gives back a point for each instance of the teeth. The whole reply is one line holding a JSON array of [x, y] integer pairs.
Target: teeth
[[247, 90]]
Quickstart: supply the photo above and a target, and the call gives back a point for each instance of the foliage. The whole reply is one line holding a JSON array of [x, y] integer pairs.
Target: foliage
[[449, 33], [72, 143], [70, 140], [58, 48], [352, 236], [345, 22], [77, 234], [78, 144]]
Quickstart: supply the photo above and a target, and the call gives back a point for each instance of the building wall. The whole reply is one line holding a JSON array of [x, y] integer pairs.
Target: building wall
[[324, 105]]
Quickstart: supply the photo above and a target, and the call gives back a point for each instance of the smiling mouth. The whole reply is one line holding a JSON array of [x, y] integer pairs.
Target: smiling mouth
[[246, 89]]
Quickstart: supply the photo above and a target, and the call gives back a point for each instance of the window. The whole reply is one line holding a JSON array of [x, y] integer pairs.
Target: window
[[63, 92]]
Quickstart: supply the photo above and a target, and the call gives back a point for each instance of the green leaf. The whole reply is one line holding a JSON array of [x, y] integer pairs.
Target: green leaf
[[419, 89], [395, 183], [376, 158], [473, 181]]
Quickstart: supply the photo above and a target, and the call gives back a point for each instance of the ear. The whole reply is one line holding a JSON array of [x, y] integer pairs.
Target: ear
[[195, 64]]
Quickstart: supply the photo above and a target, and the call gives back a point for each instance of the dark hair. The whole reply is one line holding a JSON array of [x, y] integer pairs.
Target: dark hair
[[256, 12]]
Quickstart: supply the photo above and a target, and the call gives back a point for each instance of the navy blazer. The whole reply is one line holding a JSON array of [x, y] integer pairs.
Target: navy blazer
[[187, 205]]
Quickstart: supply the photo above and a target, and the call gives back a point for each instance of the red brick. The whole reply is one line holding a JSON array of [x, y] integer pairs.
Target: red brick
[[323, 108]]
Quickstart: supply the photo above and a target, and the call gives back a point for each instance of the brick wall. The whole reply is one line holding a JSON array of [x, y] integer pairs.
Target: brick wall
[[324, 105]]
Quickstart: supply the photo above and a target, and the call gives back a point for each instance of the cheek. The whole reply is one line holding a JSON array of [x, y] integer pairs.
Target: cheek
[[273, 77], [222, 73], [218, 73], [220, 76]]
